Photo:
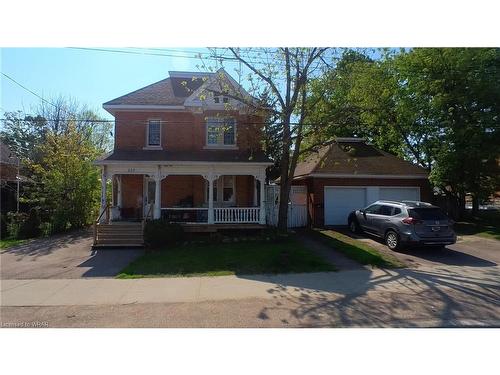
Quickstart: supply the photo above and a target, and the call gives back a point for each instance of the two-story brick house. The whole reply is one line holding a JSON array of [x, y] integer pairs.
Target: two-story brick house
[[185, 151]]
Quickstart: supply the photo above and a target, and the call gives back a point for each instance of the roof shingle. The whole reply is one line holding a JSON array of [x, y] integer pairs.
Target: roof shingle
[[356, 158]]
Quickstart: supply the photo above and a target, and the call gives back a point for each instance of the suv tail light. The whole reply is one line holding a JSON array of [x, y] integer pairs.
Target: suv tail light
[[412, 220]]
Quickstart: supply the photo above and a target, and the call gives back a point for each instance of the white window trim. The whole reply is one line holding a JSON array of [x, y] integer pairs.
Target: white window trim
[[220, 191], [222, 146], [148, 146]]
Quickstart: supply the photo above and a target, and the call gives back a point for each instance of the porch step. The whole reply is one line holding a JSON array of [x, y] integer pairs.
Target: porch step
[[119, 234]]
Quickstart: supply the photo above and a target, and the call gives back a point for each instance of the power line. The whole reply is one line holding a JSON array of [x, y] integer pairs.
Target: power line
[[27, 89]]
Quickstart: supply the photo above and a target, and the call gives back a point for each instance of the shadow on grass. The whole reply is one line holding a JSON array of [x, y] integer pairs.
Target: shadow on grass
[[356, 250]]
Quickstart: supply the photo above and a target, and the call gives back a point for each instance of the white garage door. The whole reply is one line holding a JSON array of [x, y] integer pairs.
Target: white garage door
[[339, 202], [400, 193]]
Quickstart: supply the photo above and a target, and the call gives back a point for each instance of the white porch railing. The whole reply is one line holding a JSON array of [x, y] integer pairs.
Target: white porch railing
[[236, 215], [185, 214]]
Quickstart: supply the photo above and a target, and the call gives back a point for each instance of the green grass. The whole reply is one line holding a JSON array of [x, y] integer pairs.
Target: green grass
[[284, 256], [6, 243], [485, 224], [356, 250]]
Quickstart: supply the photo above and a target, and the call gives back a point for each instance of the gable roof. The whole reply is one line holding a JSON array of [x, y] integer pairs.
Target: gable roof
[[346, 157], [182, 89], [170, 91]]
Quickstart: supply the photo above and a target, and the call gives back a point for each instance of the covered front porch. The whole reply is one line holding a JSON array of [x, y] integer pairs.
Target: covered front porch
[[218, 195]]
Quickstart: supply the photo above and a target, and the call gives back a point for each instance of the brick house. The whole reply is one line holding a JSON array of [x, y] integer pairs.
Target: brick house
[[186, 150], [349, 174]]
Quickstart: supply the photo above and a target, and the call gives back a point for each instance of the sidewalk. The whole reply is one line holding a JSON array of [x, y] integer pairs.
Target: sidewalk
[[166, 290], [328, 285]]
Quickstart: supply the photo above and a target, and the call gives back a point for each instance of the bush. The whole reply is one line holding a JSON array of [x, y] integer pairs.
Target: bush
[[3, 226], [160, 233], [21, 225]]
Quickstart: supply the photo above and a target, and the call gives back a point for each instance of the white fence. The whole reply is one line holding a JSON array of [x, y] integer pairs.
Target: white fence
[[297, 206], [236, 215]]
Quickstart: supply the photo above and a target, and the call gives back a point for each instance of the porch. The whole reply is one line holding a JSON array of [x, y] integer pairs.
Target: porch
[[195, 196]]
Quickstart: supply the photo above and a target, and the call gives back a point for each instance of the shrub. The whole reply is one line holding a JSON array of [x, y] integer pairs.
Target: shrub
[[3, 226], [160, 233], [21, 225]]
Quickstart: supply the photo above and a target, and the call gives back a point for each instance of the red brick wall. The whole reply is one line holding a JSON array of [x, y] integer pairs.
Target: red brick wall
[[181, 130], [316, 195], [176, 188]]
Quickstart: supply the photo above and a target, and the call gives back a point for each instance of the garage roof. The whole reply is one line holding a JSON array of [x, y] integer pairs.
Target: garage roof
[[346, 157]]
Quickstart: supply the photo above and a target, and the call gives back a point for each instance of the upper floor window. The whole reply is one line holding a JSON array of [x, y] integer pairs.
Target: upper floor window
[[221, 131], [154, 132]]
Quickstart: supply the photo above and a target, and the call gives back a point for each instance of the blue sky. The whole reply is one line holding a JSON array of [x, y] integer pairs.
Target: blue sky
[[91, 77]]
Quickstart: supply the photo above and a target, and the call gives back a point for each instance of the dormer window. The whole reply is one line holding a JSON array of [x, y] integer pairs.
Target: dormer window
[[221, 131], [154, 133]]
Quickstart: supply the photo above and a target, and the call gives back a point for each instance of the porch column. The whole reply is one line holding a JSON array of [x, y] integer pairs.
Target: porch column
[[157, 207], [119, 191], [262, 181], [210, 180], [104, 178]]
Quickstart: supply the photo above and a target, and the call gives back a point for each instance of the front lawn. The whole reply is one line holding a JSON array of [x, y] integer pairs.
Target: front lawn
[[356, 250], [271, 257], [6, 243], [486, 224]]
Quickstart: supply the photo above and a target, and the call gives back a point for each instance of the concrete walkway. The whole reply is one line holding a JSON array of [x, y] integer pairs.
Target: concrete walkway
[[50, 292]]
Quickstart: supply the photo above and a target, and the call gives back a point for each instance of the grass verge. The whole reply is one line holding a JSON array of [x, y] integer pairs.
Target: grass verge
[[356, 250], [6, 243], [262, 257], [485, 224]]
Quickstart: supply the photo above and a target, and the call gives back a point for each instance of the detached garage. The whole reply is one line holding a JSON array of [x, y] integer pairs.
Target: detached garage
[[350, 174]]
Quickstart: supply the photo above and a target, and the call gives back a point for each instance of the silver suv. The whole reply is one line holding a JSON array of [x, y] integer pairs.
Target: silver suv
[[404, 223]]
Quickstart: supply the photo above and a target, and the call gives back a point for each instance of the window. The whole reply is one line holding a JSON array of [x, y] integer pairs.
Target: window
[[154, 131], [427, 214], [228, 189], [396, 211], [221, 131], [216, 99], [373, 209], [225, 99], [385, 210]]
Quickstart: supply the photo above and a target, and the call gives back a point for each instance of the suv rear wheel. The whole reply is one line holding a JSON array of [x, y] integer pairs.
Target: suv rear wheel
[[392, 240]]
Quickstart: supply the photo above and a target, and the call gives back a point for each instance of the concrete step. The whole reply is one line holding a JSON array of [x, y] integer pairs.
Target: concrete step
[[111, 241]]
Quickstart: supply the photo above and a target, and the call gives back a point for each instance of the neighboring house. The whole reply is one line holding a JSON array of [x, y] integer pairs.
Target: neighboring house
[[185, 154], [349, 174], [9, 178]]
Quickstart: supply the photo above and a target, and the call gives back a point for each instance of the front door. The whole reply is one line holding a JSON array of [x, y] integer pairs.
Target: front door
[[149, 195]]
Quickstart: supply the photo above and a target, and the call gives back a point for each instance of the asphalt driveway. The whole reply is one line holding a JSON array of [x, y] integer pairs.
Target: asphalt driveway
[[469, 251], [67, 256]]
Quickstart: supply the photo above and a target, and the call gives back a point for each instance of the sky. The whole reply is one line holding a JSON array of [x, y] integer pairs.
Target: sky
[[91, 77]]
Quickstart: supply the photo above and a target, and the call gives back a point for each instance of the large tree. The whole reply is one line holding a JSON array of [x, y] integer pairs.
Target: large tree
[[436, 107], [281, 78]]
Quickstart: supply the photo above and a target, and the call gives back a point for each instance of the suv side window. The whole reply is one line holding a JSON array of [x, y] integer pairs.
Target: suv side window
[[373, 209], [385, 210], [396, 211]]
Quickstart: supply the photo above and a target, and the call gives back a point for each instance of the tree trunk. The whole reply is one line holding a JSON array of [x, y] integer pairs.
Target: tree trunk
[[475, 205]]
